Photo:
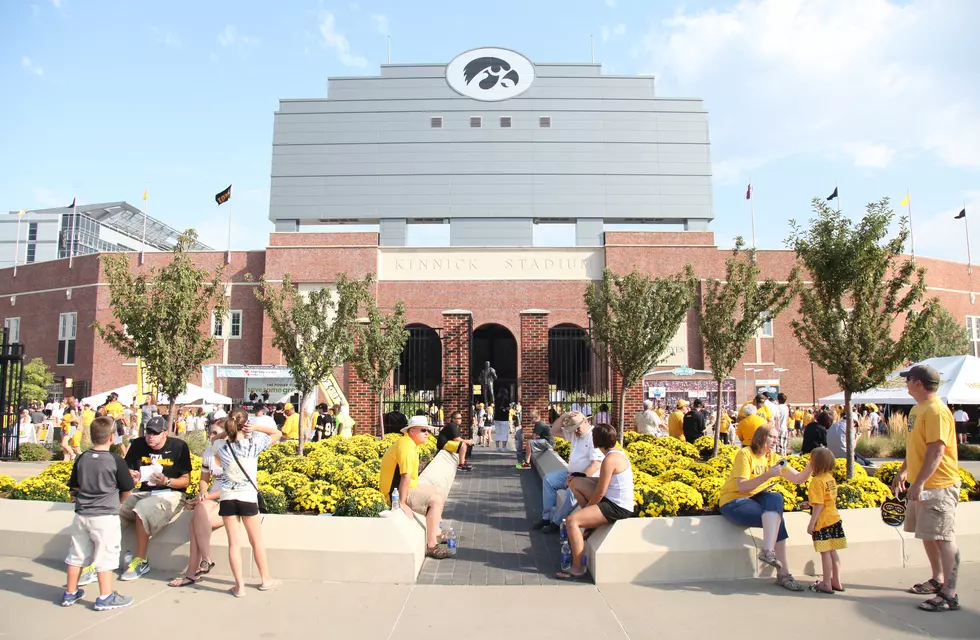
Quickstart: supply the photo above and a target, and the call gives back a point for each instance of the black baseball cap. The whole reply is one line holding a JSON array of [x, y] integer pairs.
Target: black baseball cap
[[923, 373], [156, 424]]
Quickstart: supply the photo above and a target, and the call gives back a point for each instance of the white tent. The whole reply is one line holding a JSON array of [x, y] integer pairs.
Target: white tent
[[959, 384], [193, 394]]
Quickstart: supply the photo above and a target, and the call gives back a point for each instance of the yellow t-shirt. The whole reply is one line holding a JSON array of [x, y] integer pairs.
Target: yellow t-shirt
[[400, 458], [747, 466], [290, 428], [798, 415], [675, 425], [747, 426], [723, 423], [114, 409], [932, 421], [823, 490], [763, 411], [87, 417]]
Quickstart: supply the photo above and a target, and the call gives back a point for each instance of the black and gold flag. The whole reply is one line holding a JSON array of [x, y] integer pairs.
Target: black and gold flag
[[223, 196], [833, 195], [961, 214]]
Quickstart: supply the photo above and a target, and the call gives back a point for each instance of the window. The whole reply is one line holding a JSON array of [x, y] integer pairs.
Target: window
[[765, 331], [544, 122], [66, 338], [436, 122], [217, 326], [973, 332], [32, 232], [505, 122], [12, 325], [235, 322], [31, 249], [476, 122]]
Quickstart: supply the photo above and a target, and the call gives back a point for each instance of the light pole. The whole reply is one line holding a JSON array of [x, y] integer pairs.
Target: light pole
[[20, 214]]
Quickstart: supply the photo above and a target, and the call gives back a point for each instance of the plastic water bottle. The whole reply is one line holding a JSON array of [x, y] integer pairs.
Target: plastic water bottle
[[451, 542], [585, 562], [928, 494], [128, 557], [566, 556], [395, 504], [563, 531]]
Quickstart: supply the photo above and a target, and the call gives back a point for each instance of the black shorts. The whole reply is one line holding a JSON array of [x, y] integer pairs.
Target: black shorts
[[962, 427], [230, 508], [723, 437], [612, 511]]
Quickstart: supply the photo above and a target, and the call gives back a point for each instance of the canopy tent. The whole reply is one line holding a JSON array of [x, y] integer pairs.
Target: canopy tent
[[959, 384], [192, 395]]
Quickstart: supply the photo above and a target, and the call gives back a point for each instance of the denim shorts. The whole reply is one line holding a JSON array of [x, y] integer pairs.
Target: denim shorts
[[747, 512]]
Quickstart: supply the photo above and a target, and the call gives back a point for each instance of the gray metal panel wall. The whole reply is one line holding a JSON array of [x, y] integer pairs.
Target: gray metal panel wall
[[491, 232], [393, 232]]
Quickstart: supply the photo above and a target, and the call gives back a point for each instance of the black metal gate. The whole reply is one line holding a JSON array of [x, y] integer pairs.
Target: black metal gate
[[578, 373], [417, 380], [11, 383]]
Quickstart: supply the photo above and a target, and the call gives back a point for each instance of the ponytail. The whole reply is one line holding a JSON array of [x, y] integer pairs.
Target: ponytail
[[234, 423]]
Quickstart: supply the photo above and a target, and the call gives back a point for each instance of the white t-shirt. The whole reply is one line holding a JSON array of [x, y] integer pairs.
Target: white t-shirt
[[584, 409], [961, 416], [234, 484], [262, 421], [782, 417], [583, 453]]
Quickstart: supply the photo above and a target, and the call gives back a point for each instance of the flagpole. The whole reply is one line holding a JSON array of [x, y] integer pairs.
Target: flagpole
[[146, 206], [969, 259], [20, 215], [837, 191], [752, 212], [911, 233], [71, 228], [230, 209]]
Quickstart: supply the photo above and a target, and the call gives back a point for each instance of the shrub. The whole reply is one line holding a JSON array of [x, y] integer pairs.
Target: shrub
[[270, 457], [840, 470], [363, 447], [791, 497], [676, 446], [362, 503], [680, 475], [317, 496], [41, 487], [6, 483], [30, 452], [563, 448], [710, 490], [850, 496], [969, 482], [289, 482], [382, 445], [275, 500], [58, 471], [668, 499], [705, 446], [874, 490], [887, 471], [197, 441], [968, 452], [352, 478], [796, 445], [297, 464]]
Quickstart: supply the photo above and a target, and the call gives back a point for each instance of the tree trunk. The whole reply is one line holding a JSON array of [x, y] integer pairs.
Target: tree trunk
[[714, 453], [847, 434], [381, 414], [621, 427], [302, 433], [170, 415]]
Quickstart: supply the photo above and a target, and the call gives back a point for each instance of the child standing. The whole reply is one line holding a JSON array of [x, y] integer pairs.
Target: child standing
[[825, 523], [100, 482]]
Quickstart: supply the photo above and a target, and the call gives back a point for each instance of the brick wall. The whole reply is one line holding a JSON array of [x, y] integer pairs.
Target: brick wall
[[364, 403], [534, 365], [634, 400], [456, 389]]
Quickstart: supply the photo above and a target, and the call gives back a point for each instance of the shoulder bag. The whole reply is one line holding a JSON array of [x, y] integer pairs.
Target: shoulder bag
[[259, 498]]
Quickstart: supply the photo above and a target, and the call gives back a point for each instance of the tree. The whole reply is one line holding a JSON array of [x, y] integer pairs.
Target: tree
[[861, 284], [314, 331], [163, 315], [635, 317], [945, 337], [732, 312], [37, 378], [378, 350]]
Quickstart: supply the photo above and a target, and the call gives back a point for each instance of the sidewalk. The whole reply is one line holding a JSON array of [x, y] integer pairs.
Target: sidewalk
[[874, 607], [20, 470]]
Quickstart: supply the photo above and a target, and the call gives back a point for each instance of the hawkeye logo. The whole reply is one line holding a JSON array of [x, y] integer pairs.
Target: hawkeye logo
[[158, 459], [490, 74]]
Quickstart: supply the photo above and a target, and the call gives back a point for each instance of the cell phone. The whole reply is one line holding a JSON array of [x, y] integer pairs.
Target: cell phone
[[782, 463]]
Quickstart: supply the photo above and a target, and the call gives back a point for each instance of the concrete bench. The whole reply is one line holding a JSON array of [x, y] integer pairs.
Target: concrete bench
[[546, 462]]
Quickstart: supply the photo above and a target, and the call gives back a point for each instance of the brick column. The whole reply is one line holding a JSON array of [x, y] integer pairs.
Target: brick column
[[363, 403], [634, 400], [533, 391], [457, 329]]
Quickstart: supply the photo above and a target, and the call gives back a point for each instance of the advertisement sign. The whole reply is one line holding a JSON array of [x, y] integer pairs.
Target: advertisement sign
[[657, 392], [279, 389]]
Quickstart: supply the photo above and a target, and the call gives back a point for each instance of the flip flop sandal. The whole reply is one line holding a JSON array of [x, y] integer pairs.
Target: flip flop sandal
[[571, 577], [237, 594], [275, 584], [204, 568], [183, 581], [941, 602], [789, 582], [816, 588], [925, 588], [439, 553], [841, 590]]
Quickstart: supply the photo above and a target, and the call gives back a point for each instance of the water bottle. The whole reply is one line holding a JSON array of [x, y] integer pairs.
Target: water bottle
[[128, 557], [563, 531], [566, 556], [451, 542], [928, 494], [395, 504], [585, 562]]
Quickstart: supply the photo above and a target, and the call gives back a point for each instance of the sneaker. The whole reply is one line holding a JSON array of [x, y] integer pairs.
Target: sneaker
[[551, 527], [768, 556], [540, 524], [112, 601], [464, 468], [518, 466], [69, 599], [137, 569], [89, 575], [525, 465]]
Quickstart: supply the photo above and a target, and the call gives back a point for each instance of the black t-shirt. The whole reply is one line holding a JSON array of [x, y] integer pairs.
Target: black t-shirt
[[446, 434], [98, 477], [814, 435], [395, 421], [173, 456], [323, 420], [280, 419], [693, 425], [501, 414], [542, 430]]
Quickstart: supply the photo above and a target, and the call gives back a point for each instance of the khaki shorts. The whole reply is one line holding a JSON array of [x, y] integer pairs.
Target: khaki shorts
[[418, 498], [933, 519], [156, 511], [95, 540]]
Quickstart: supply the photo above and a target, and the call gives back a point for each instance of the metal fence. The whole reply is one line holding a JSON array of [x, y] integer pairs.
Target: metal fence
[[417, 380], [11, 385], [578, 373]]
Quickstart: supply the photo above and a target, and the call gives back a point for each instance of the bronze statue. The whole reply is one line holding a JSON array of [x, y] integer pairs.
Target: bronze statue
[[487, 378]]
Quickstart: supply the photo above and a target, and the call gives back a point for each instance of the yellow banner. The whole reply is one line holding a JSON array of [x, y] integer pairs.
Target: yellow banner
[[332, 391]]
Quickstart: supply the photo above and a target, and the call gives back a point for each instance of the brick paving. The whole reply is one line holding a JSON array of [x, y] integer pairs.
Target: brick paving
[[492, 509]]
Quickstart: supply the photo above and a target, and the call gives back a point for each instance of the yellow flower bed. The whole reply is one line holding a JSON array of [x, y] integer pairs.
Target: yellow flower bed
[[6, 483]]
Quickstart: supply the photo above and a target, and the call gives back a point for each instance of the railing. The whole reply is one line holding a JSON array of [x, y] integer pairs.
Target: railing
[[11, 384]]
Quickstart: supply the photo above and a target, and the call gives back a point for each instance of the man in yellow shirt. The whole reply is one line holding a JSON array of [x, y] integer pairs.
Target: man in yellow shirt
[[759, 402], [290, 428], [724, 422], [675, 422], [931, 462], [400, 470], [747, 425]]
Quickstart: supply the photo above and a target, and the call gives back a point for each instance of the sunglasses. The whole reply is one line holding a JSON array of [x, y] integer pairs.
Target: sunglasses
[[425, 430]]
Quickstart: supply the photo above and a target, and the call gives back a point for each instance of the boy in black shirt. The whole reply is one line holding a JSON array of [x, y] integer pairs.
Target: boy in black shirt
[[541, 439], [99, 481], [452, 441]]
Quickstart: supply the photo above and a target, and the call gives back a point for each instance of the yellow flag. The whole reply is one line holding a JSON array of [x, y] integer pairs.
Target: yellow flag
[[905, 202], [144, 194]]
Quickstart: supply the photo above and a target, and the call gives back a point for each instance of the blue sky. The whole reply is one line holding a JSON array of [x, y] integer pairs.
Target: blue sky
[[102, 97]]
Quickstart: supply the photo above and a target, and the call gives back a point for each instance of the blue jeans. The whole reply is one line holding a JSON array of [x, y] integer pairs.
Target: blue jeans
[[747, 512], [550, 485]]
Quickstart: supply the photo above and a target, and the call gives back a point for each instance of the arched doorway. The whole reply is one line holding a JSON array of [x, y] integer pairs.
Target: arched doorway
[[576, 369], [495, 344], [417, 380]]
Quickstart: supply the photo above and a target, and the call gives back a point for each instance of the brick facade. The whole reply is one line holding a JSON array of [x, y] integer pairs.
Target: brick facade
[[534, 365], [633, 401], [364, 403], [456, 389]]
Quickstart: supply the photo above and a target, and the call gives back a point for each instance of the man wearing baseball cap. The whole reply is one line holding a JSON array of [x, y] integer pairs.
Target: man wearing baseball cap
[[675, 421], [931, 462], [290, 428], [400, 470]]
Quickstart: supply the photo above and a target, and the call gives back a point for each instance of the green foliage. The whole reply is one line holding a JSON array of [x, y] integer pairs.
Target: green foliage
[[275, 500], [944, 337], [163, 315], [30, 452], [361, 503], [6, 483], [635, 317], [37, 377], [378, 348], [41, 487], [732, 312], [197, 441], [860, 285], [563, 448], [968, 452]]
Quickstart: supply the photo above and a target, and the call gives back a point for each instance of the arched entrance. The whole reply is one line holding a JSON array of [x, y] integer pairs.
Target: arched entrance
[[495, 344], [417, 380], [576, 369]]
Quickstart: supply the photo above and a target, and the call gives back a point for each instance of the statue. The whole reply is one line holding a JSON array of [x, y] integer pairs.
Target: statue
[[487, 378]]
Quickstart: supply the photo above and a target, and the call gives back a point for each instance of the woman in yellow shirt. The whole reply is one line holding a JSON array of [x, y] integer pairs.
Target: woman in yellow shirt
[[746, 503], [724, 422], [69, 426]]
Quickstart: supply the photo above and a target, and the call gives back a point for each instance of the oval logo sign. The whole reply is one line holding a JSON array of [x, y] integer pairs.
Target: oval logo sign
[[490, 74]]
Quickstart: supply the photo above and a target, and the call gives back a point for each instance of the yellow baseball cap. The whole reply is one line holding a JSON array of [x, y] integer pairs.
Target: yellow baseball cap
[[288, 406], [681, 404]]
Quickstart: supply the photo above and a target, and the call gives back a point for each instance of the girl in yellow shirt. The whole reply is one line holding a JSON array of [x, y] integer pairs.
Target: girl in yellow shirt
[[825, 523], [69, 425]]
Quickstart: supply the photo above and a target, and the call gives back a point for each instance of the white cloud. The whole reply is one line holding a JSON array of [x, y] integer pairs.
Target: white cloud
[[335, 40], [380, 23], [31, 67], [229, 37], [939, 234], [166, 38], [615, 32], [789, 77]]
